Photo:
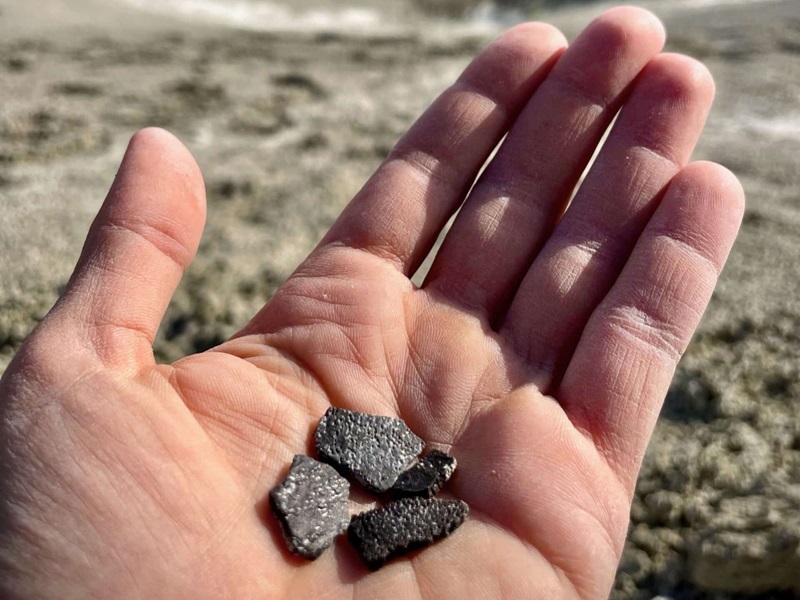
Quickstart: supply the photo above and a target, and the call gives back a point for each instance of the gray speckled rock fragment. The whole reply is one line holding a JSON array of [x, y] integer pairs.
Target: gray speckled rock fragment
[[428, 476], [374, 449], [403, 526], [311, 505]]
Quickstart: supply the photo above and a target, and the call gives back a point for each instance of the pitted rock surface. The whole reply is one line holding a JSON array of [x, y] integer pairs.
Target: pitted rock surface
[[428, 476], [403, 526], [373, 449], [311, 505]]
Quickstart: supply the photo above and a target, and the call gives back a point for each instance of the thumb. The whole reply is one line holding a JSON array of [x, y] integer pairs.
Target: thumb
[[144, 236]]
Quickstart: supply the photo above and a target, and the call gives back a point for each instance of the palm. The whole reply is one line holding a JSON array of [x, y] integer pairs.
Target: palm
[[401, 352], [537, 351]]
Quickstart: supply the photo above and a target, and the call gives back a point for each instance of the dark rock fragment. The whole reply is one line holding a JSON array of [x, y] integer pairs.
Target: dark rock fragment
[[428, 476], [311, 505], [374, 449], [403, 526]]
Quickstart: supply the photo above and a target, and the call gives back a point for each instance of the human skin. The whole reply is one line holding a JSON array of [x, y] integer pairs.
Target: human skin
[[538, 350]]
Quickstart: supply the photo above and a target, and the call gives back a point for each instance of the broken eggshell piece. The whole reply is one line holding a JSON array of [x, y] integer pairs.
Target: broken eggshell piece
[[375, 450], [311, 504], [403, 526], [427, 477]]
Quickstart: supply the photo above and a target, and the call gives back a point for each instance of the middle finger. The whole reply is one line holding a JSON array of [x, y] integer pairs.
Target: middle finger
[[512, 208]]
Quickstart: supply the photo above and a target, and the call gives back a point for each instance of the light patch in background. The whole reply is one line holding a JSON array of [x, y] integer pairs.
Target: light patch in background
[[372, 17], [710, 3], [785, 126], [264, 15]]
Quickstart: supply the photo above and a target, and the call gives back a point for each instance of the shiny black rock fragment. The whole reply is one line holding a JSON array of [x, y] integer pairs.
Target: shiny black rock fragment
[[427, 477], [373, 449], [311, 505], [403, 526]]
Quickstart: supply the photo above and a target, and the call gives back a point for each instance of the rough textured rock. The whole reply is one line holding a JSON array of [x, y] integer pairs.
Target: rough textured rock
[[311, 505], [373, 449], [428, 476], [403, 526]]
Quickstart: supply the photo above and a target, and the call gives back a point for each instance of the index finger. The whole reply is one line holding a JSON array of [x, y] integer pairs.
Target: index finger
[[400, 211]]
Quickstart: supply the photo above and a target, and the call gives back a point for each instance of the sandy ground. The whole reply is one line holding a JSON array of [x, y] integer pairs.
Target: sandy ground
[[287, 127]]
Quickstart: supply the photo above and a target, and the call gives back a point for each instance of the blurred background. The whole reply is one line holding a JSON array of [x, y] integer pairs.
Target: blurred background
[[289, 106]]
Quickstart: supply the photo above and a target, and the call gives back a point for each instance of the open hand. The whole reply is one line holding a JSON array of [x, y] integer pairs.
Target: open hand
[[537, 351]]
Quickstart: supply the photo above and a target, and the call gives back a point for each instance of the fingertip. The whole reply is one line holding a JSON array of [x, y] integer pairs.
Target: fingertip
[[158, 135], [520, 50], [668, 107], [706, 172], [716, 184], [156, 150], [538, 32], [609, 54], [727, 179], [682, 79], [622, 22], [703, 209]]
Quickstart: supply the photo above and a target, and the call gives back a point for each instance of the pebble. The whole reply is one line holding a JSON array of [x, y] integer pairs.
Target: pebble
[[428, 476], [311, 504], [375, 450], [403, 526]]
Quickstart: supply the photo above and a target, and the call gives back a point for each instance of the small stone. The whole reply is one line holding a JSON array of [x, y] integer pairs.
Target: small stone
[[311, 505], [428, 476], [403, 526], [373, 449]]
